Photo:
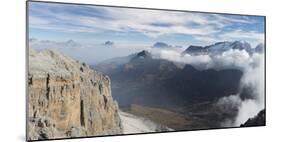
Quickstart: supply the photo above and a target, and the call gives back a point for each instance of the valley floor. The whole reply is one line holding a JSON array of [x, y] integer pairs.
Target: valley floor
[[134, 124]]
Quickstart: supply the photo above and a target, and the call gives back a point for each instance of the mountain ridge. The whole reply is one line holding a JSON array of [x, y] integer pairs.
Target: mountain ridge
[[220, 47], [166, 75]]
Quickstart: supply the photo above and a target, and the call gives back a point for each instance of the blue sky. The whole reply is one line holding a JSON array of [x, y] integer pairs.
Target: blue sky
[[95, 24]]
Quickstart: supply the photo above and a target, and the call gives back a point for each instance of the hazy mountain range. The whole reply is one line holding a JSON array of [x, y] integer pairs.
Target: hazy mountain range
[[220, 47], [181, 87]]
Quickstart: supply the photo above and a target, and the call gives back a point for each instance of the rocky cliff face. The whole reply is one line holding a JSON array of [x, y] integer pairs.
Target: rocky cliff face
[[68, 99], [258, 120]]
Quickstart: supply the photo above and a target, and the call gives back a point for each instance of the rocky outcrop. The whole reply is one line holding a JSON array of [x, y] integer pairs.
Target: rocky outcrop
[[258, 120], [68, 99]]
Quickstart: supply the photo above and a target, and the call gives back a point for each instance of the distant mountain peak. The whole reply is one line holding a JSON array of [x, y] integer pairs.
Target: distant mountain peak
[[243, 41], [71, 43], [161, 45], [108, 43], [144, 54], [164, 45], [242, 44], [194, 47], [222, 42], [260, 48], [194, 50], [219, 47]]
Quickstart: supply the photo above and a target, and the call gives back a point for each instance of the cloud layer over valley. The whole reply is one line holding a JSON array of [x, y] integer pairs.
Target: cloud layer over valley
[[248, 105]]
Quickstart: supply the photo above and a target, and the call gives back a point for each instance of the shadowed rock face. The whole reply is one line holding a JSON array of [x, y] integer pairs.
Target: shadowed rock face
[[68, 99], [258, 120]]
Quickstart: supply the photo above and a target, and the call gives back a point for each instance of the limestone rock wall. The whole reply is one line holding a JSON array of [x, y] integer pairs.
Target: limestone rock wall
[[68, 99]]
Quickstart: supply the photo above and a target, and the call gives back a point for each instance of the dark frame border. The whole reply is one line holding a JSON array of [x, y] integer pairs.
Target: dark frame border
[[108, 6]]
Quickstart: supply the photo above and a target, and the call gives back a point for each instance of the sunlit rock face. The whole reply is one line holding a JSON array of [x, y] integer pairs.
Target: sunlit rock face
[[68, 99]]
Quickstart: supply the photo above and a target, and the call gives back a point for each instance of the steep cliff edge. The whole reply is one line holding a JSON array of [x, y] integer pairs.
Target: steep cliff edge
[[68, 99]]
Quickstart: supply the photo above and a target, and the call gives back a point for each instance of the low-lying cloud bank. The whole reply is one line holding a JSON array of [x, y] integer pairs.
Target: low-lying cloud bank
[[84, 52], [242, 107]]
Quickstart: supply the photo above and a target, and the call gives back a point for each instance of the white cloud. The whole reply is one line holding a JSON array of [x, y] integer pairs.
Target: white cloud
[[234, 58], [37, 21], [142, 21], [239, 34], [206, 39]]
